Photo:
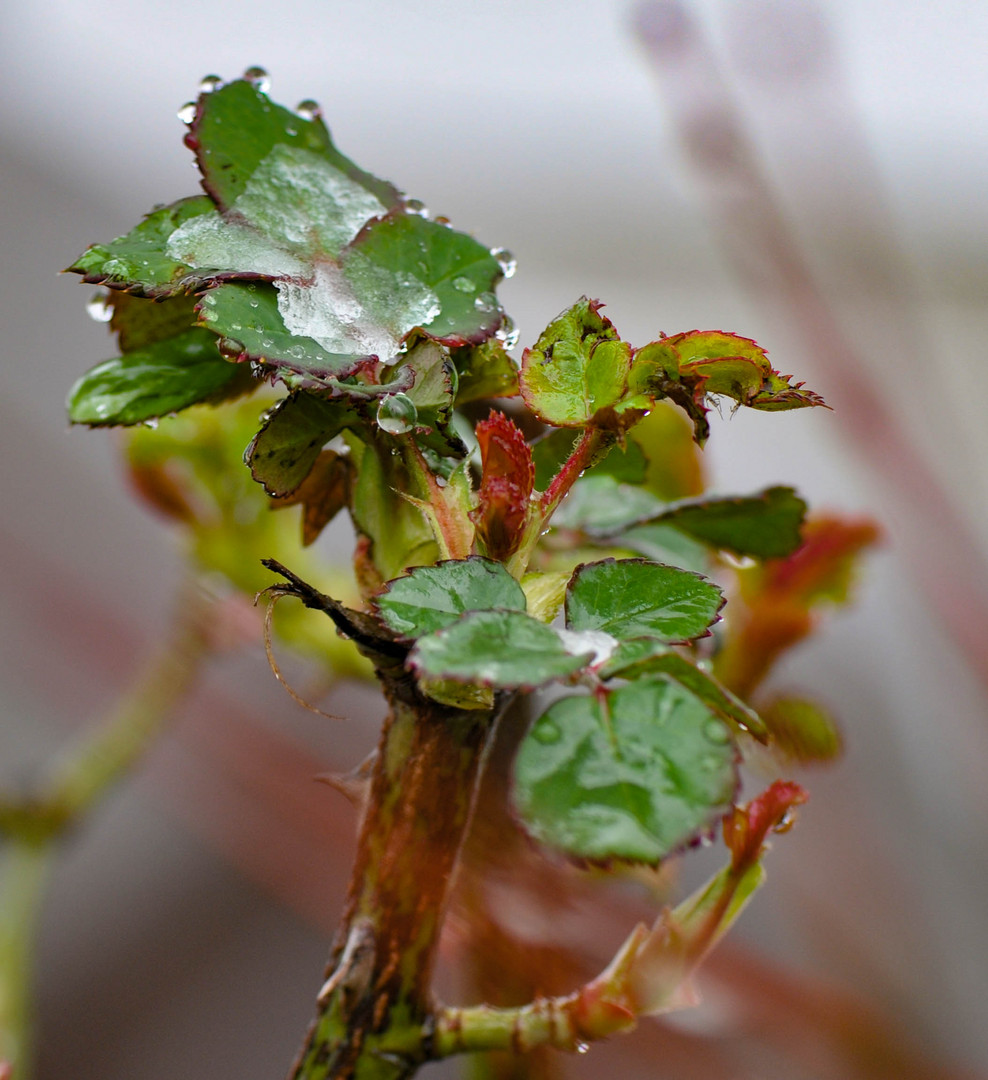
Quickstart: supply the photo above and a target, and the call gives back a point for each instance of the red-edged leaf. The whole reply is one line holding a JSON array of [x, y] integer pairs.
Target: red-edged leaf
[[507, 481], [323, 493], [746, 827]]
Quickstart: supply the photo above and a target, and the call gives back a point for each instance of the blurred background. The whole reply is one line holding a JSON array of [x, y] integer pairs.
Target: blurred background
[[809, 174]]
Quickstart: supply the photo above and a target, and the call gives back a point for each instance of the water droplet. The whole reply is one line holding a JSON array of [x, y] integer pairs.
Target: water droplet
[[290, 131], [417, 207], [396, 414], [716, 731], [785, 823], [706, 840], [258, 78], [187, 113], [547, 732], [507, 261], [254, 303], [441, 481], [709, 763], [507, 333], [308, 109], [444, 221], [464, 284], [582, 1047], [486, 302], [209, 83], [230, 347], [151, 423], [99, 308]]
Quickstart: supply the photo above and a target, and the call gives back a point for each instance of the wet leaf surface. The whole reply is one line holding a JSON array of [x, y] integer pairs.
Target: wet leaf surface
[[632, 774]]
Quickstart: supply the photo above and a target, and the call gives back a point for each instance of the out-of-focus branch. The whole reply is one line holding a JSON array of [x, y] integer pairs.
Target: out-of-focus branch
[[761, 246]]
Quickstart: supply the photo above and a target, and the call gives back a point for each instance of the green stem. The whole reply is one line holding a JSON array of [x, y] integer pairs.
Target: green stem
[[24, 869], [375, 1010]]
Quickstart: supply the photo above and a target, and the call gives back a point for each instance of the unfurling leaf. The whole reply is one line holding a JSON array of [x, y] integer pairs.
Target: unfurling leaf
[[501, 649], [690, 366], [630, 598], [429, 598], [746, 827], [484, 371], [629, 774], [577, 371], [506, 484]]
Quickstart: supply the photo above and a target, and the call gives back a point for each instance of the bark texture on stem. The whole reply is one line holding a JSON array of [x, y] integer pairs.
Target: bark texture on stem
[[375, 1009]]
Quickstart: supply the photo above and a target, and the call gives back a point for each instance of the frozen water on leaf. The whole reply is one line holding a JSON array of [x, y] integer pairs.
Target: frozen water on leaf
[[258, 78], [209, 242], [187, 113], [361, 309], [507, 261], [209, 83], [298, 198], [99, 308], [308, 109], [396, 414], [577, 642]]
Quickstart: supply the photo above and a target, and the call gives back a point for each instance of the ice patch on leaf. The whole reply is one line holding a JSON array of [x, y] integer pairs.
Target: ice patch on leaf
[[297, 197], [361, 308], [578, 642], [208, 242]]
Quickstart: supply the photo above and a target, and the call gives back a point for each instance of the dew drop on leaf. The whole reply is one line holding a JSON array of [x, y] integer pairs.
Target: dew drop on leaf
[[486, 302], [258, 78], [308, 109], [99, 308], [230, 346], [507, 261], [582, 1047], [444, 221], [716, 732], [396, 414], [209, 83], [187, 113], [464, 284], [417, 207], [546, 732], [152, 423]]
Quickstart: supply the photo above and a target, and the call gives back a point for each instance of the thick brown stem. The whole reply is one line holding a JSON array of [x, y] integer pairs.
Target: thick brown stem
[[375, 1008]]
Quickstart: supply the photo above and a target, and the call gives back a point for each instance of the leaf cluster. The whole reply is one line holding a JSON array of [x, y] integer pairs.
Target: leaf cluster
[[517, 525]]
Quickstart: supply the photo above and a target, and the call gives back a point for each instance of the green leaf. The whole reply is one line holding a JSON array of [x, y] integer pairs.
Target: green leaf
[[600, 506], [648, 656], [237, 127], [453, 273], [664, 544], [505, 649], [549, 453], [148, 383], [140, 260], [764, 526], [578, 368], [636, 598], [485, 371], [282, 453], [802, 731], [432, 597], [631, 774]]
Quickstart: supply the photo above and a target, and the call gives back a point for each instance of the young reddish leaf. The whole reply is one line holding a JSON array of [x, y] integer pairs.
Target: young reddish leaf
[[323, 493], [775, 608], [746, 827], [577, 370], [506, 485]]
